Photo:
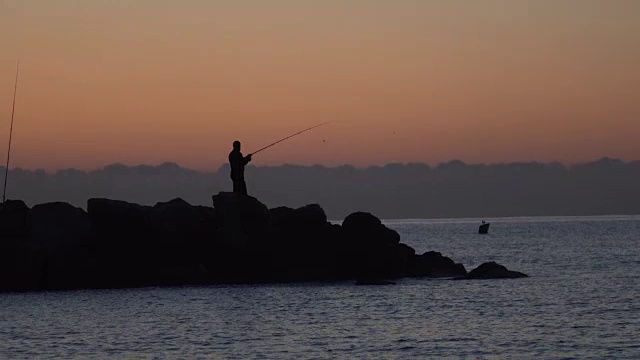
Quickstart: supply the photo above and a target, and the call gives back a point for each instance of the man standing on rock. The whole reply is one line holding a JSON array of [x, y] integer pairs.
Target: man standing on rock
[[237, 163]]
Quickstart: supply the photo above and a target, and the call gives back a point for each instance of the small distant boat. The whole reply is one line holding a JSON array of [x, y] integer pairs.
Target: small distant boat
[[484, 228]]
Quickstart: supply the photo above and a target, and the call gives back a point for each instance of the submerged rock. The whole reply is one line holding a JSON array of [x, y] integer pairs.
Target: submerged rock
[[492, 270]]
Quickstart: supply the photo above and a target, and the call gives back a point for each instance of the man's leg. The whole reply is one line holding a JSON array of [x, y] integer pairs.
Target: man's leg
[[243, 187], [236, 186]]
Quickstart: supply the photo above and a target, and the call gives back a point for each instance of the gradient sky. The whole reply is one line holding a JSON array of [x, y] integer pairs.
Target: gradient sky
[[149, 81]]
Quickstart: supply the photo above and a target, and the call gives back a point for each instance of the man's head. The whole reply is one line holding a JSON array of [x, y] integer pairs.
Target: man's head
[[236, 145]]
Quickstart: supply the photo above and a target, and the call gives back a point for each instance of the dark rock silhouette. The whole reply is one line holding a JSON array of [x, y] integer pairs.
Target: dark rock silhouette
[[375, 247], [302, 244], [141, 245], [60, 234], [242, 218], [59, 226], [20, 262], [492, 270], [433, 264], [238, 240], [13, 220]]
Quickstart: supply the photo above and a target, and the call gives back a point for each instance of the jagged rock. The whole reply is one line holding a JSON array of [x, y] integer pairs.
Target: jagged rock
[[309, 217], [371, 247], [280, 217], [305, 221], [61, 236], [173, 216], [366, 229], [183, 234], [126, 252], [118, 218], [433, 264], [14, 217], [59, 227], [406, 250], [146, 245], [242, 218], [19, 264], [179, 221], [122, 231], [120, 244], [402, 260], [300, 244], [492, 270]]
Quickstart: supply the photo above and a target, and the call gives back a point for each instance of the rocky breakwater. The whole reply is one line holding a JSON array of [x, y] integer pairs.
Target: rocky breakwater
[[238, 240]]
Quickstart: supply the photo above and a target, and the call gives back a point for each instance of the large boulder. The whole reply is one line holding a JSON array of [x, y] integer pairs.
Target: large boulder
[[183, 233], [492, 270], [307, 222], [59, 227], [403, 259], [125, 249], [61, 237], [14, 219], [365, 229], [242, 218], [300, 244], [118, 219], [433, 264], [177, 220], [19, 266], [280, 218], [309, 217], [143, 245], [371, 248]]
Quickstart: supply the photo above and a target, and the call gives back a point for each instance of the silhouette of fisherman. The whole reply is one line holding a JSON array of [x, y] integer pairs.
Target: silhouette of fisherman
[[237, 163]]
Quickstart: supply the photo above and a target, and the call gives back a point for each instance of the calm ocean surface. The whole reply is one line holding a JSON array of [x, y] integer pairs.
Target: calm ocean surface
[[582, 300]]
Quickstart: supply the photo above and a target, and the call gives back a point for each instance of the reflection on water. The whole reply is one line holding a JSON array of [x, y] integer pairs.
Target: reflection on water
[[580, 301]]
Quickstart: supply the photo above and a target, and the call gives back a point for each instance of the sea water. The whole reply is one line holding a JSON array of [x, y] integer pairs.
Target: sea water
[[581, 300]]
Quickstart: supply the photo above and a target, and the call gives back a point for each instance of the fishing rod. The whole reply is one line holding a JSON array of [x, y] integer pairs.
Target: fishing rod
[[290, 136], [13, 111]]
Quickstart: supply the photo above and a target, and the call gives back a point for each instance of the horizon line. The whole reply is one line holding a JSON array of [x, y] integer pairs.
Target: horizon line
[[430, 165]]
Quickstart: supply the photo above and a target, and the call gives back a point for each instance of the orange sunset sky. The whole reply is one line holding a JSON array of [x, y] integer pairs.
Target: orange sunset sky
[[150, 81]]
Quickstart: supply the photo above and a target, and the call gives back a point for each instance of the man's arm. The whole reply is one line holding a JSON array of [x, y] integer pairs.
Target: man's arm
[[246, 159]]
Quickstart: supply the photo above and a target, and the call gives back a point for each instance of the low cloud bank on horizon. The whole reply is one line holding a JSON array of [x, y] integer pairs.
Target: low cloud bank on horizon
[[413, 190], [225, 166]]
